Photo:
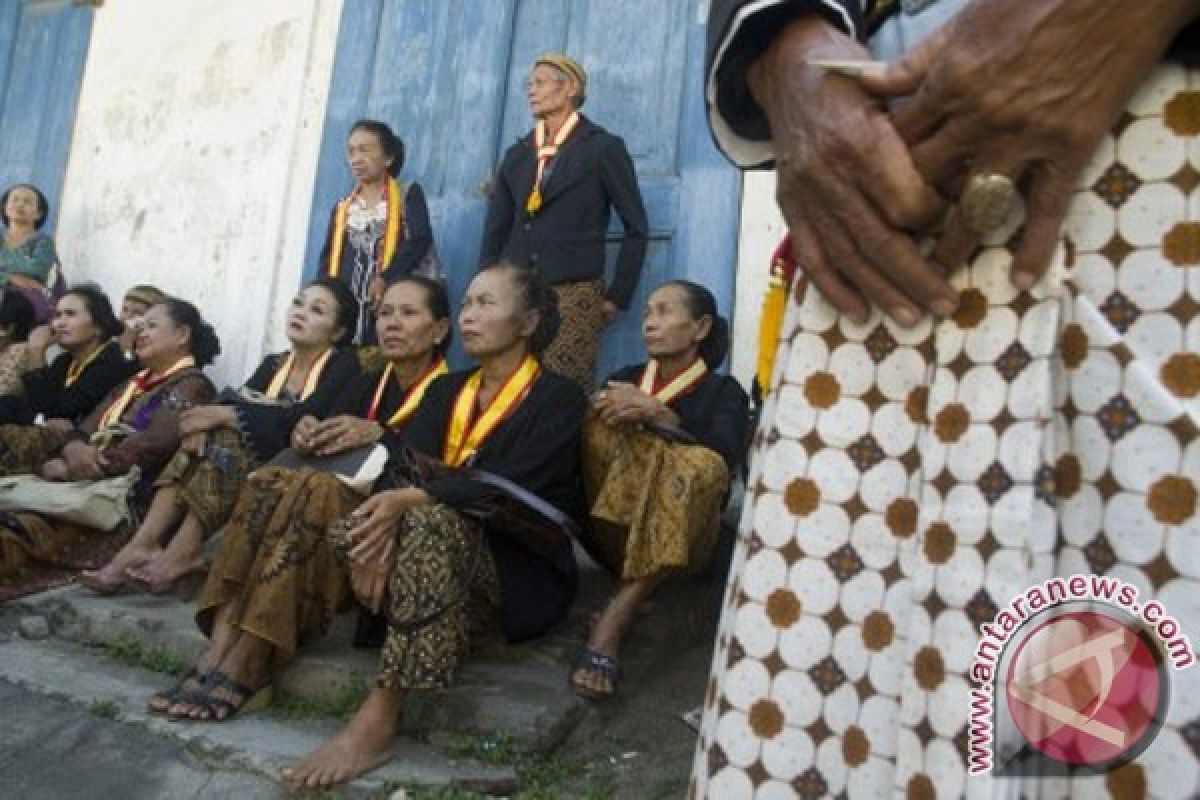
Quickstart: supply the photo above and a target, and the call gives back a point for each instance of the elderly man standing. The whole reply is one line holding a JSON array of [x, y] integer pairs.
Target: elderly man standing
[[549, 209], [987, 379]]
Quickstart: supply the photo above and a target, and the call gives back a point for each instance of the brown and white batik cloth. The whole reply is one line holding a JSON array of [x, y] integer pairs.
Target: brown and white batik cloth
[[574, 350], [906, 484]]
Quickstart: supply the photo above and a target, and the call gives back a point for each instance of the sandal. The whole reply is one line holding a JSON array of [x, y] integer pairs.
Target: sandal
[[595, 661], [218, 709], [179, 692]]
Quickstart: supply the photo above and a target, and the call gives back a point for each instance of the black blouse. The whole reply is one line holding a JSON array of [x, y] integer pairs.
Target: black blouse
[[536, 447], [266, 427], [47, 393], [716, 412]]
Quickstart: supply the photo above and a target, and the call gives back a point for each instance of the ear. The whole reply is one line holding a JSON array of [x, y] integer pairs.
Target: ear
[[441, 328], [703, 328], [530, 325]]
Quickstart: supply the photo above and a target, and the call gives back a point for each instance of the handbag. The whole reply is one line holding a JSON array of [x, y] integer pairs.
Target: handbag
[[101, 504], [503, 507]]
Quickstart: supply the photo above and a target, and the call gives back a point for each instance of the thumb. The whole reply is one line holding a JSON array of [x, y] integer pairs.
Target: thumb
[[904, 77]]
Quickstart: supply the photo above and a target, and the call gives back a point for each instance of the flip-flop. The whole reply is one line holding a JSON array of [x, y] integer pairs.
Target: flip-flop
[[595, 661]]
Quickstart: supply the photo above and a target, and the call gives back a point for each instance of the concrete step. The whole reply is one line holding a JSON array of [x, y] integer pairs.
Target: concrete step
[[519, 690], [260, 743]]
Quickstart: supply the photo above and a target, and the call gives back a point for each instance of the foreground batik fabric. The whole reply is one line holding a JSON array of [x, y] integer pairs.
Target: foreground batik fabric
[[907, 484]]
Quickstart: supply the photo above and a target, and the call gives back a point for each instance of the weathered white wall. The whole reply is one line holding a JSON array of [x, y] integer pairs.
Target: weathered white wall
[[193, 157], [759, 234]]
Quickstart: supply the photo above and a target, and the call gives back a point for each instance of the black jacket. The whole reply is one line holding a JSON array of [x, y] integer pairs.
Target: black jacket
[[416, 239], [565, 240], [535, 447], [46, 392], [267, 429]]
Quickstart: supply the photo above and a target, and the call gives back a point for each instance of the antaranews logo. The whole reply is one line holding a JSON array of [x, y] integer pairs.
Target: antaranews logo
[[1072, 677]]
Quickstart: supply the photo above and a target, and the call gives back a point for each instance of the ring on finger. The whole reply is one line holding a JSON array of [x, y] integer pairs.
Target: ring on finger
[[987, 201]]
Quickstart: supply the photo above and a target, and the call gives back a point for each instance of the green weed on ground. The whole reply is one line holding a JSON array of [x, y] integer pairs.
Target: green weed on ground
[[108, 709], [341, 703], [542, 777], [129, 651]]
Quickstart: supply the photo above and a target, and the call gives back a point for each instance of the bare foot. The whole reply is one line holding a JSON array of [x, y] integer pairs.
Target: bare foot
[[110, 578], [360, 747]]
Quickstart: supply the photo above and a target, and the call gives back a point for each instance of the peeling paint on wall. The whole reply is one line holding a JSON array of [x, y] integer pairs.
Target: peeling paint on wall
[[193, 157]]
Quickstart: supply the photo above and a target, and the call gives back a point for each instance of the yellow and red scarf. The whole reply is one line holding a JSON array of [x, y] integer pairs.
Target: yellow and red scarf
[[275, 388], [783, 270], [78, 365], [546, 151], [669, 391], [467, 432], [138, 386], [393, 227], [412, 398]]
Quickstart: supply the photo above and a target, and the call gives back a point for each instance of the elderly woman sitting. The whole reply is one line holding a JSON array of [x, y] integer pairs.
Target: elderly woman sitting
[[223, 442], [659, 448], [136, 426]]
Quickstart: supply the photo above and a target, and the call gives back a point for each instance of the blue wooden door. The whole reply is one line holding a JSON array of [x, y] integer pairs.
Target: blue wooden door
[[449, 77], [43, 44]]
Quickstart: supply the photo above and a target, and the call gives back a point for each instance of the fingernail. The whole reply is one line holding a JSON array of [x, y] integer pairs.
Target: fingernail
[[944, 306], [905, 316]]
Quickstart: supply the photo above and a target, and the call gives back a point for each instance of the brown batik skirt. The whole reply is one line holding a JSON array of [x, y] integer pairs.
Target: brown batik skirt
[[574, 349], [444, 596], [655, 505], [37, 553], [277, 570], [208, 487]]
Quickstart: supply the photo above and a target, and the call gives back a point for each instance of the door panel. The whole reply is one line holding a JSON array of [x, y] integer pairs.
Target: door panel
[[450, 78], [43, 46]]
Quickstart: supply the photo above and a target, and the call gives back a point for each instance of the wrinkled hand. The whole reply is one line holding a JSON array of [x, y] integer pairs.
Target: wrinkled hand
[[609, 311], [206, 418], [1026, 89], [339, 434], [194, 443], [375, 292], [374, 537], [84, 462], [621, 402], [59, 425], [41, 338], [302, 433], [55, 470], [847, 186]]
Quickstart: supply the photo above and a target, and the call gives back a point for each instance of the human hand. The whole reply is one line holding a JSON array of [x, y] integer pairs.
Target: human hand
[[621, 402], [339, 434], [41, 338], [609, 311], [375, 292], [194, 443], [59, 425], [369, 581], [84, 462], [55, 470], [1024, 89], [374, 522], [847, 187], [206, 418], [302, 433]]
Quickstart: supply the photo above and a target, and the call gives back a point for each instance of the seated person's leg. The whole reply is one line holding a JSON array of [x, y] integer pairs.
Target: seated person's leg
[[444, 574]]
